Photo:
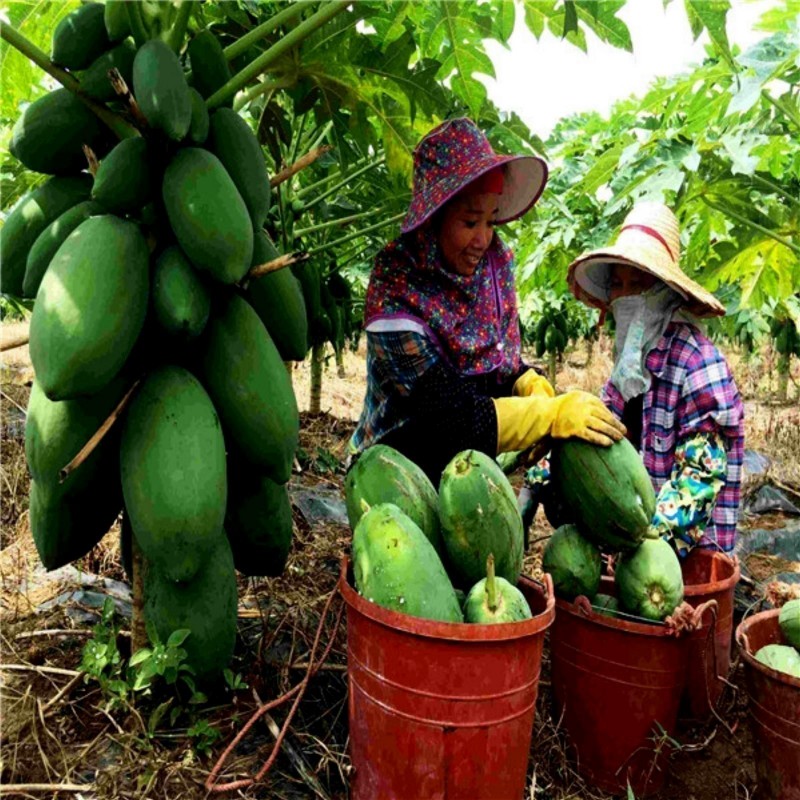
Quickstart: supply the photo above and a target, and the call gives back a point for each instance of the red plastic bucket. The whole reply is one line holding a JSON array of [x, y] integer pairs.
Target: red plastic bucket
[[708, 575], [774, 703], [439, 709], [614, 682]]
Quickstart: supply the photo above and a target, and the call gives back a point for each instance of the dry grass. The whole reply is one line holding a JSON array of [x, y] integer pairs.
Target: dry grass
[[48, 737]]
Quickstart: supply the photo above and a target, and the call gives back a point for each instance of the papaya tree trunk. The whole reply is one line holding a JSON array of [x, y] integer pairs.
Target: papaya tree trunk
[[138, 629], [784, 363], [340, 363], [589, 351], [315, 397], [551, 368]]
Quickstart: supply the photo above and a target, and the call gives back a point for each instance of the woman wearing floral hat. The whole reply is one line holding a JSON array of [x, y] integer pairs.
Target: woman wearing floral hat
[[670, 385], [444, 371]]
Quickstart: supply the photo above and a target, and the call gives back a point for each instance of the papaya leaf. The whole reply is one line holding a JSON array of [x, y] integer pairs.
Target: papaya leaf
[[601, 18], [537, 15], [710, 15], [740, 145]]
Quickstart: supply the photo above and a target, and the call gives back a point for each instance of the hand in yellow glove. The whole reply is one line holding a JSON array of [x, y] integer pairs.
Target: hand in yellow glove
[[524, 421], [531, 383]]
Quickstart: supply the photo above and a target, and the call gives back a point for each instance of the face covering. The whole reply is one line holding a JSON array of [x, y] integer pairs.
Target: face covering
[[641, 320]]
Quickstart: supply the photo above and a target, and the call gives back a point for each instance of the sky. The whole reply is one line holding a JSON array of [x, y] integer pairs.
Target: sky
[[548, 79]]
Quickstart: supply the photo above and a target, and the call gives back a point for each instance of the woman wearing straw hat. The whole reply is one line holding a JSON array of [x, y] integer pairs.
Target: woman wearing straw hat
[[444, 371], [670, 385]]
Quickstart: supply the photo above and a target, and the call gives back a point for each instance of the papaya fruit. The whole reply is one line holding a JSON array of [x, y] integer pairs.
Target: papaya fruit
[[181, 300], [258, 521], [94, 79], [210, 70], [50, 133], [207, 215], [494, 600], [605, 604], [90, 307], [780, 657], [649, 580], [381, 474], [205, 606], [80, 37], [479, 515], [789, 622], [278, 300], [49, 240], [115, 17], [607, 490], [28, 218], [161, 90], [573, 562], [250, 388], [395, 566], [55, 432], [233, 142], [198, 127], [125, 180], [172, 463]]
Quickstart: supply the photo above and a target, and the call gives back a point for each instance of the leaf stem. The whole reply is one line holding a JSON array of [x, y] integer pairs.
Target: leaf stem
[[754, 225], [334, 222], [336, 242], [136, 21], [347, 179], [19, 42], [773, 187], [178, 30], [328, 11], [787, 112], [262, 88], [266, 28]]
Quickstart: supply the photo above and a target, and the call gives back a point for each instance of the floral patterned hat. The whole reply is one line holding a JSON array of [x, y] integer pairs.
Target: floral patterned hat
[[456, 153]]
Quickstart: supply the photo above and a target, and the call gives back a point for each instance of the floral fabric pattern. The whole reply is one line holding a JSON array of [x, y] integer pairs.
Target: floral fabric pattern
[[685, 502]]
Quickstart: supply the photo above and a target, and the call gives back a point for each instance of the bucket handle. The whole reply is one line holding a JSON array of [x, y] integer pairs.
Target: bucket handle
[[297, 692]]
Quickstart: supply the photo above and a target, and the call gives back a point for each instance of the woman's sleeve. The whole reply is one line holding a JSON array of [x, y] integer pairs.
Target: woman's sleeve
[[686, 500]]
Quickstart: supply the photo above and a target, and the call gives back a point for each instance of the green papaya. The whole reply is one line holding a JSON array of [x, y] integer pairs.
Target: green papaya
[[395, 566], [278, 300], [80, 37], [649, 580], [205, 606], [50, 133], [115, 17], [605, 604], [90, 307], [198, 128], [181, 300], [125, 180], [68, 526], [172, 462], [382, 474], [69, 517], [551, 339], [210, 70], [607, 490], [207, 215], [494, 600], [95, 81], [28, 218], [258, 521], [789, 621], [161, 90], [308, 275], [49, 240], [250, 388], [781, 658], [479, 515], [233, 142], [573, 562]]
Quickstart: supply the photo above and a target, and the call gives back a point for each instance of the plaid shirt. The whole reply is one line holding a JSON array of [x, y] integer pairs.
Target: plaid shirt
[[394, 362], [692, 392]]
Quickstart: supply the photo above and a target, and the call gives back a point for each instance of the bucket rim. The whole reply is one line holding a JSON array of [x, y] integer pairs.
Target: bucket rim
[[750, 659], [624, 625], [714, 587], [454, 631]]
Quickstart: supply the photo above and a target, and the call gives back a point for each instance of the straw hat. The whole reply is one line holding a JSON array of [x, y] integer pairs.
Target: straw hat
[[456, 153], [650, 241]]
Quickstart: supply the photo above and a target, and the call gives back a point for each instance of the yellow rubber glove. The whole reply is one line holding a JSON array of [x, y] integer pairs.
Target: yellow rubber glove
[[524, 421], [531, 383]]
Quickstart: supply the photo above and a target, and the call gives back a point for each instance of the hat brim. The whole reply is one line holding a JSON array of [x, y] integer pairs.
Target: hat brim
[[587, 278], [524, 181]]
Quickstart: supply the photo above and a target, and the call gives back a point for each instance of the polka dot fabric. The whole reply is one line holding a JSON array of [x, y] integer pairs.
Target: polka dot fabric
[[473, 320]]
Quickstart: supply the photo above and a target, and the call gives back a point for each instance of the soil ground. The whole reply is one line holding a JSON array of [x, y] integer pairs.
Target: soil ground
[[60, 729]]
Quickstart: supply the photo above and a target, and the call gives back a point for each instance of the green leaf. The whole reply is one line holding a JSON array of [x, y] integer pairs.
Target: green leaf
[[746, 96], [178, 637], [710, 14], [538, 14], [740, 145], [139, 656], [601, 18]]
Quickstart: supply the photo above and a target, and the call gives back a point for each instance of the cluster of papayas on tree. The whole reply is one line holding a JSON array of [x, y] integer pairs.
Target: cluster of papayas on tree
[[158, 338]]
